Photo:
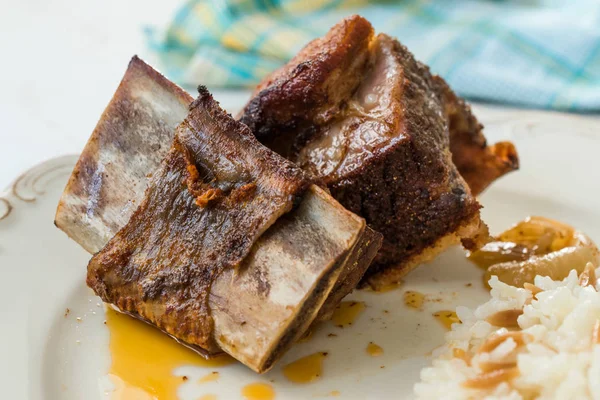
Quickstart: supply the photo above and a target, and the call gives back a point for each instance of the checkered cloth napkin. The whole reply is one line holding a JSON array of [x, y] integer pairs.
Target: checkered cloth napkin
[[538, 53]]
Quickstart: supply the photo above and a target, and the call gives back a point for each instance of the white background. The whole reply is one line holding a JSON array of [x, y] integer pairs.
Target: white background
[[61, 62]]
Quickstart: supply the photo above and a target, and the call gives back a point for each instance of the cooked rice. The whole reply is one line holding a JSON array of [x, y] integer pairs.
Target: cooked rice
[[553, 354]]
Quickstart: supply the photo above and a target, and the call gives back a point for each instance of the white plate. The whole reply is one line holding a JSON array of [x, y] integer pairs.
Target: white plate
[[43, 273]]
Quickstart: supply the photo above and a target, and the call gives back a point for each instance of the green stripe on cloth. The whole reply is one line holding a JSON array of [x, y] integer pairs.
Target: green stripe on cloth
[[544, 54]]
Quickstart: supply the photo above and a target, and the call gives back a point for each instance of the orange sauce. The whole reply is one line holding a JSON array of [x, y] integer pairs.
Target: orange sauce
[[213, 376], [334, 393], [306, 369], [388, 287], [143, 360], [347, 312], [374, 350], [258, 391], [447, 318], [414, 299], [208, 397], [306, 337]]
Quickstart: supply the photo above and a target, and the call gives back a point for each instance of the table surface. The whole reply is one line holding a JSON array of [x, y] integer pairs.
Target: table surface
[[63, 59]]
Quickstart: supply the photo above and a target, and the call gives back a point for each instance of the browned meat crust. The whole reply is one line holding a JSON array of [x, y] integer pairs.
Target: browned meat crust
[[318, 245], [383, 145], [409, 190], [312, 86], [215, 193], [477, 162]]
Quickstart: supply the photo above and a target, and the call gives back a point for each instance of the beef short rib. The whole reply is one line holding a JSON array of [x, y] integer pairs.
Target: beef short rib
[[293, 274], [358, 112], [215, 193]]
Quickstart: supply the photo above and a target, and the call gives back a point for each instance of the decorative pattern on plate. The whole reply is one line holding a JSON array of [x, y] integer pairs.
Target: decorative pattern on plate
[[32, 183], [5, 208]]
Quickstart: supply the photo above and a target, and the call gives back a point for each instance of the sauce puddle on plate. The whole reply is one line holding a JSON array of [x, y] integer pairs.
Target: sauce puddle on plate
[[447, 318], [414, 299], [305, 369], [374, 350], [388, 287], [213, 376], [347, 312], [143, 360], [258, 391]]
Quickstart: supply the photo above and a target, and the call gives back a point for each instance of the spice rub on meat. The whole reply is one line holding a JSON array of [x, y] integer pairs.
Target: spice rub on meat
[[215, 193], [478, 163], [358, 112]]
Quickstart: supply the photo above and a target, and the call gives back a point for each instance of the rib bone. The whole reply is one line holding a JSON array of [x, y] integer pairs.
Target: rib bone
[[251, 324]]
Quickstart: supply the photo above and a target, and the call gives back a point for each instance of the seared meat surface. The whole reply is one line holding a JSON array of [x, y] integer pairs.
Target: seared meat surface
[[295, 273], [215, 193], [311, 88], [478, 163], [382, 142]]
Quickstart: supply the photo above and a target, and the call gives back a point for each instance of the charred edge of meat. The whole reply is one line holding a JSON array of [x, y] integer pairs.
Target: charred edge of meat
[[291, 97], [478, 163], [307, 313], [162, 263], [402, 205], [364, 253], [474, 229]]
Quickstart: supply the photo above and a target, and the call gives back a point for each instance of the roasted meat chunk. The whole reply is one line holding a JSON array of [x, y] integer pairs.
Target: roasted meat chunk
[[478, 163], [380, 137], [293, 274], [215, 193]]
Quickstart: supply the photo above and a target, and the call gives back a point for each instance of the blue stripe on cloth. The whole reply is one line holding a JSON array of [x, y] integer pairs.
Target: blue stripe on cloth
[[580, 74], [541, 54]]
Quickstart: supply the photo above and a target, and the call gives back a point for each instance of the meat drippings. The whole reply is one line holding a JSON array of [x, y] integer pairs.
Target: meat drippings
[[505, 319], [346, 313], [374, 350], [306, 369], [139, 373], [414, 299], [491, 379], [447, 318], [258, 391]]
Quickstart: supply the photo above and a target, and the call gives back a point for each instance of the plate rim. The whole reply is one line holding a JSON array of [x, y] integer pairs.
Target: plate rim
[[28, 186]]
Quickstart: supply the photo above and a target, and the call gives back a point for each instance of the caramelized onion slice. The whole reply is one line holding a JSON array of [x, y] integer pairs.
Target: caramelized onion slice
[[499, 252], [556, 265], [542, 235], [536, 246]]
